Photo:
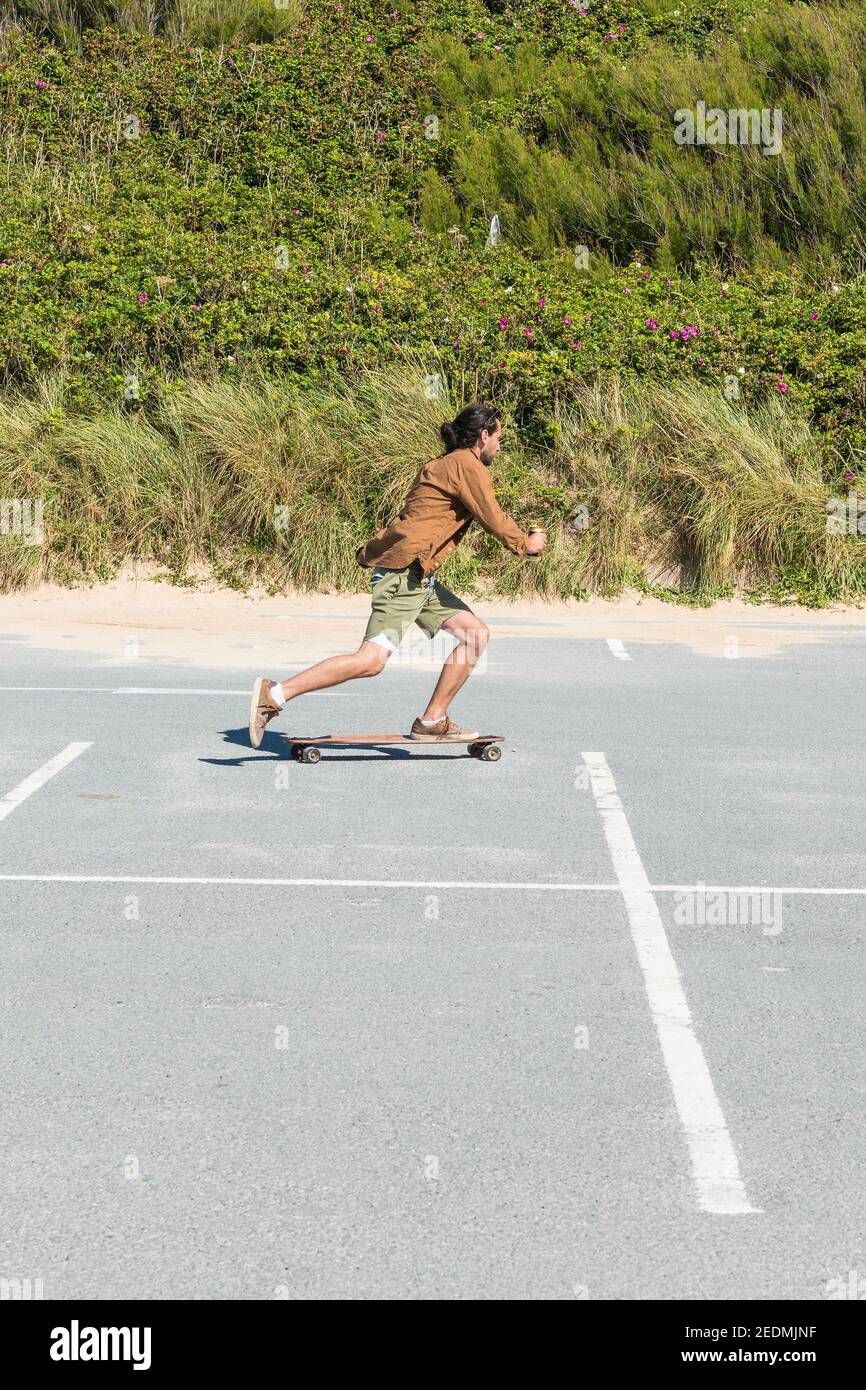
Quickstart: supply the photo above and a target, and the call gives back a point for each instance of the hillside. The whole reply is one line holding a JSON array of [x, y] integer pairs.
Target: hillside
[[246, 262]]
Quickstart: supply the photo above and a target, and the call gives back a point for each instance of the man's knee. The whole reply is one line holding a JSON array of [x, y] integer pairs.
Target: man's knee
[[372, 658], [474, 635]]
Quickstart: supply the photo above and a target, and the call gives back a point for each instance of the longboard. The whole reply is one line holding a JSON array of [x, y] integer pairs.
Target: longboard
[[483, 746]]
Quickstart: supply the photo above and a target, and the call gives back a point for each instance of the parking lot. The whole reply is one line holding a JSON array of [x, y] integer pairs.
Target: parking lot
[[583, 1023]]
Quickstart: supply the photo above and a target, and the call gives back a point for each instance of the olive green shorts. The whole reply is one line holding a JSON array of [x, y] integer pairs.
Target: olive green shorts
[[403, 597]]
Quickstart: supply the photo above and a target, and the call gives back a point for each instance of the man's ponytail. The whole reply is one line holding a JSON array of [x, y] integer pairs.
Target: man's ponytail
[[449, 436], [463, 431]]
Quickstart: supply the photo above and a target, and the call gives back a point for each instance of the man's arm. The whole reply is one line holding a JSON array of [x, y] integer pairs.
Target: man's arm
[[472, 484]]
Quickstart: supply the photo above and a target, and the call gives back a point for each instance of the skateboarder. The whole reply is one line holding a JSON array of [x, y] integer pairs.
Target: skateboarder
[[447, 495]]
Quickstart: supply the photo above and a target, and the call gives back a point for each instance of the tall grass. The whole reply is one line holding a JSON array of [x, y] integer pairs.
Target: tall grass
[[204, 22], [592, 159], [266, 484]]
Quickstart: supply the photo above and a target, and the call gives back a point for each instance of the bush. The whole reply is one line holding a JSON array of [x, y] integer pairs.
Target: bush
[[266, 483]]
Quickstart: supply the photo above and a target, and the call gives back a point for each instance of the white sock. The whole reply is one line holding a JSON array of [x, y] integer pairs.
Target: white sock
[[432, 721], [276, 694]]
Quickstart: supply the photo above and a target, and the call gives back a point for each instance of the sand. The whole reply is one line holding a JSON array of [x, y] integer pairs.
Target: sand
[[137, 618]]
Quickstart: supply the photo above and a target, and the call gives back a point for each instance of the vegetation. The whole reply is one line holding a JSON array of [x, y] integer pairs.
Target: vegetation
[[273, 485], [234, 226]]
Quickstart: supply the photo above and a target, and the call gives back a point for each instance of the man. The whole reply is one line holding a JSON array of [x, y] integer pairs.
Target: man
[[447, 495]]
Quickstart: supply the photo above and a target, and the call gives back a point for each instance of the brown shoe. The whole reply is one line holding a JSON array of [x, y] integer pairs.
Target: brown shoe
[[444, 731], [262, 710]]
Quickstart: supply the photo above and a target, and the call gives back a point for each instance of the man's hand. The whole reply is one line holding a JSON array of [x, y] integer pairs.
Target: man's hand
[[536, 541]]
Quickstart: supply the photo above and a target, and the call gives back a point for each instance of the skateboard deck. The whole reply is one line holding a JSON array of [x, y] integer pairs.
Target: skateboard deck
[[483, 746]]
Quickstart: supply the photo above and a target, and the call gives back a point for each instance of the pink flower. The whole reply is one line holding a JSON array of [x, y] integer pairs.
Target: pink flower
[[40, 83], [653, 323], [813, 316], [368, 38], [142, 298], [781, 386], [566, 320], [577, 346], [528, 332], [503, 322], [196, 308], [377, 308], [541, 301], [849, 475]]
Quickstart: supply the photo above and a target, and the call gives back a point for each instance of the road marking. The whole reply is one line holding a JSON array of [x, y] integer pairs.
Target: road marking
[[307, 882], [618, 648], [38, 779], [60, 689], [715, 1167], [169, 690], [495, 885], [129, 689]]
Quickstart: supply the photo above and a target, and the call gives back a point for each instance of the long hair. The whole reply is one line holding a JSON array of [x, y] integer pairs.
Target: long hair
[[463, 431]]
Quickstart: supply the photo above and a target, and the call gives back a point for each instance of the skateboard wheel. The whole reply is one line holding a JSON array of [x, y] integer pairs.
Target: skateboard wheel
[[491, 753], [310, 755]]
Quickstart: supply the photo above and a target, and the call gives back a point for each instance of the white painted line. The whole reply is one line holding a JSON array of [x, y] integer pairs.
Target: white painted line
[[308, 882], [38, 779], [618, 648], [732, 888], [168, 690], [715, 1167], [60, 689], [127, 689], [497, 886]]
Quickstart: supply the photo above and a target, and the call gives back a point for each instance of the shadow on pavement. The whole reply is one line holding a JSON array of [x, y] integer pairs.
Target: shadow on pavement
[[275, 748]]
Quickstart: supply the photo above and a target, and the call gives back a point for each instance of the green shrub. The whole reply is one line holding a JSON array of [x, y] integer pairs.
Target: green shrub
[[266, 483]]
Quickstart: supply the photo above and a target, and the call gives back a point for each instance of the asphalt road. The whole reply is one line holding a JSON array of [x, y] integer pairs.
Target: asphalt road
[[514, 1041]]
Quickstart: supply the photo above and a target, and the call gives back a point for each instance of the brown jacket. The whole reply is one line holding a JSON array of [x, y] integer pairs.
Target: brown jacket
[[446, 496]]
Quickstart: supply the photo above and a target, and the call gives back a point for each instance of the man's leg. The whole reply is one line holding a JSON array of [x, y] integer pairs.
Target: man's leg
[[472, 637], [368, 660]]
